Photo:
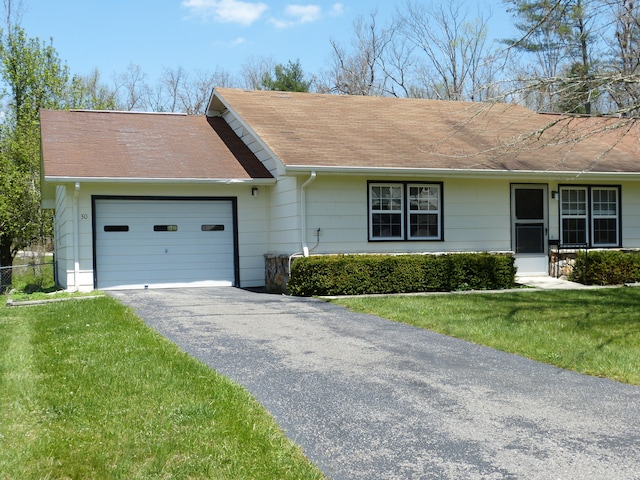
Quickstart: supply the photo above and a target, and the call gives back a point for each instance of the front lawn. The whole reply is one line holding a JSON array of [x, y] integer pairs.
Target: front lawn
[[596, 332], [87, 391]]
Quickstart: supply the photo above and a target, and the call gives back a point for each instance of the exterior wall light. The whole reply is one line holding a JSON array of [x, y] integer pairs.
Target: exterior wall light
[[254, 191]]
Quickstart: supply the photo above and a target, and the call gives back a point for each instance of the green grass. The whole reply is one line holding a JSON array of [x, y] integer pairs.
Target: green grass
[[596, 332], [87, 391], [32, 275], [55, 295]]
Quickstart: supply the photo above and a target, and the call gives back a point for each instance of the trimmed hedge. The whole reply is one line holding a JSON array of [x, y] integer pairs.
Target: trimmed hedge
[[375, 274], [606, 267]]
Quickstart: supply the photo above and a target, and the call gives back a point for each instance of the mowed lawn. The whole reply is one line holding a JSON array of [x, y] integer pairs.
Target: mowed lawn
[[87, 391], [596, 332]]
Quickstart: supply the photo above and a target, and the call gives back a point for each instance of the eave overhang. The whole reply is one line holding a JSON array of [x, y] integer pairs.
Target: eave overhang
[[225, 181], [48, 187], [459, 173]]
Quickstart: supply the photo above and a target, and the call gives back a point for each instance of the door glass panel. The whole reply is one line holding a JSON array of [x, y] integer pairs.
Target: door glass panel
[[530, 238], [529, 203]]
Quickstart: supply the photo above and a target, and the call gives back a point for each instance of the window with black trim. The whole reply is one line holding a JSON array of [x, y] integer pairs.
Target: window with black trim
[[405, 211], [590, 215]]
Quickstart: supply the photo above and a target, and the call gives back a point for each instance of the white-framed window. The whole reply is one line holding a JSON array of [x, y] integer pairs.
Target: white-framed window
[[424, 212], [573, 215], [590, 215], [386, 207], [604, 217], [405, 211]]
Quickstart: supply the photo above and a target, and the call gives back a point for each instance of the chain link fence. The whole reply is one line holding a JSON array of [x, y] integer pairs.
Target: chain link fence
[[30, 272]]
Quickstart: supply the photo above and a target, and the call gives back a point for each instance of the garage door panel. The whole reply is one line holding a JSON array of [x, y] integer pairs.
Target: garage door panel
[[138, 279], [132, 263], [159, 248], [132, 254], [145, 239]]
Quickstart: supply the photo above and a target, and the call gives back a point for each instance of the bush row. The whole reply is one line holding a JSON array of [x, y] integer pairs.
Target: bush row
[[371, 274], [606, 267]]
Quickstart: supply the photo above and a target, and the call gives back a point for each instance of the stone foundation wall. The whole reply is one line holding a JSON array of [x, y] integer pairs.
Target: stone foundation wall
[[561, 261], [276, 272]]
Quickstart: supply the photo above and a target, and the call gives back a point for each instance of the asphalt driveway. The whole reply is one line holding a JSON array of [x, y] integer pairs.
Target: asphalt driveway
[[367, 398]]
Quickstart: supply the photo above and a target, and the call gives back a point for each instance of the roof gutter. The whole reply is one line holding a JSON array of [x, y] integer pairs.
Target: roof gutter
[[224, 181], [303, 213], [459, 173]]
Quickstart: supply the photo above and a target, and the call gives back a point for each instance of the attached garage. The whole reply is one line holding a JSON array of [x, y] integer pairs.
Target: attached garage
[[162, 243], [153, 200]]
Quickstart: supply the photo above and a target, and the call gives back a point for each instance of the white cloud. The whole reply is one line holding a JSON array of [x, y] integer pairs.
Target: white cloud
[[280, 23], [303, 13], [226, 11], [298, 15], [337, 9]]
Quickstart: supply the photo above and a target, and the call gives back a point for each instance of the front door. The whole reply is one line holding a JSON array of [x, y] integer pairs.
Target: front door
[[529, 228]]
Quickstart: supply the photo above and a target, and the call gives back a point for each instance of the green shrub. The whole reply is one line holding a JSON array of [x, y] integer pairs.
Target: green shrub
[[377, 274], [606, 267]]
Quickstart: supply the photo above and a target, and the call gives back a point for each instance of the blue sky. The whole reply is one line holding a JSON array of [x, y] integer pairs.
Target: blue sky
[[202, 34]]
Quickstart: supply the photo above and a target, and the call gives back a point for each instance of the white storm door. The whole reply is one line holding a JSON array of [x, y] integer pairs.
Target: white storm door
[[529, 228]]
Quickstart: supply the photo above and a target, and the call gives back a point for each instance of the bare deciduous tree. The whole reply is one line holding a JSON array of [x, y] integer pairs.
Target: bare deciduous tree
[[182, 92], [452, 53], [426, 51], [625, 58], [255, 70], [359, 71], [132, 88]]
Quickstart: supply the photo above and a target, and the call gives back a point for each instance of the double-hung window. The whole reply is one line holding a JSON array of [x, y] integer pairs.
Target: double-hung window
[[590, 215], [405, 211]]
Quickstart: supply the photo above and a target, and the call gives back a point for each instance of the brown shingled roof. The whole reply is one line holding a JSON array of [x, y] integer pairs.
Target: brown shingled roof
[[89, 144], [322, 130]]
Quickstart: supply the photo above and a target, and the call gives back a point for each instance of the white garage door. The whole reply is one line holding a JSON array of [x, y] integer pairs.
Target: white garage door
[[142, 243]]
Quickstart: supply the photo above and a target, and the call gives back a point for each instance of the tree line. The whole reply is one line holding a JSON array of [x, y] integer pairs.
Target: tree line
[[567, 56]]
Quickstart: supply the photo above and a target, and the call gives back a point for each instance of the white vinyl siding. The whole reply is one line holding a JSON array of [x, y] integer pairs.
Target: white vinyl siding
[[63, 238], [284, 216], [475, 217]]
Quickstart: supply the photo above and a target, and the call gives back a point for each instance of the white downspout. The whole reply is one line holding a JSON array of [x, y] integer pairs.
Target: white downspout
[[303, 214], [76, 239]]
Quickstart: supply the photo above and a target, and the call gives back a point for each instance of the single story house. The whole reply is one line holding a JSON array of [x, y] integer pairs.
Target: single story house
[[147, 200]]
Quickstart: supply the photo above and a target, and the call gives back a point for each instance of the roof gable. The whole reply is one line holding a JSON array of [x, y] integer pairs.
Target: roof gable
[[339, 131]]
